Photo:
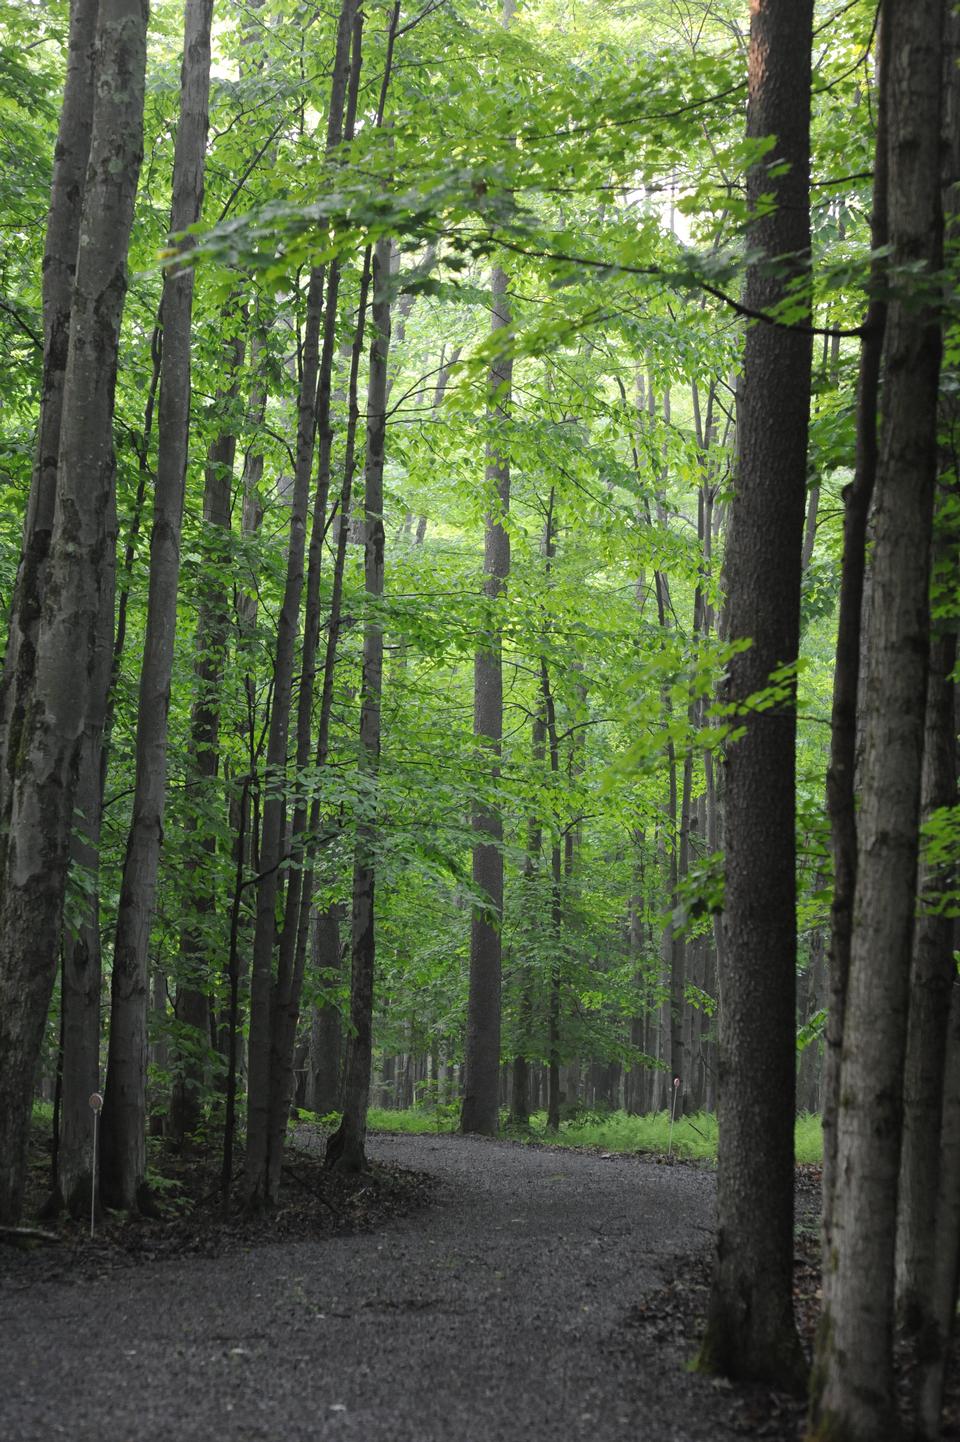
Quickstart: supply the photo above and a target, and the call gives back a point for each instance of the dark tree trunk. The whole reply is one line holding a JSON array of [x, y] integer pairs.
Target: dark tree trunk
[[854, 1398], [345, 1149], [193, 1006], [299, 898], [751, 1331], [520, 1092], [943, 1302], [326, 1032], [931, 982], [258, 1172], [38, 799], [480, 1102], [70, 161]]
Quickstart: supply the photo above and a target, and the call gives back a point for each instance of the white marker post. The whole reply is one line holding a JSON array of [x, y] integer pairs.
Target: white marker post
[[96, 1106], [673, 1113]]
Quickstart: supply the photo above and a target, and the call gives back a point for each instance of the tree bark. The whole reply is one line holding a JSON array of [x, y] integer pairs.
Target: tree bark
[[943, 1302], [480, 1101], [346, 1148], [123, 1140], [933, 968], [82, 971], [71, 156], [853, 1393], [80, 1000], [841, 801], [326, 1033], [751, 1331], [932, 976], [257, 1162], [520, 1091], [38, 799], [203, 750], [303, 844]]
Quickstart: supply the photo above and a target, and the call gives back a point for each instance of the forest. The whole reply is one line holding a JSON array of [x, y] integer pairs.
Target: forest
[[478, 554]]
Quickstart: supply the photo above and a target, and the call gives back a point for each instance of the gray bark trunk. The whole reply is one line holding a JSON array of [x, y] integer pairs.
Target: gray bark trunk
[[259, 1176], [38, 799], [70, 161], [943, 1302], [854, 1396], [326, 1033], [123, 1146], [932, 976], [203, 751], [80, 997], [841, 803]]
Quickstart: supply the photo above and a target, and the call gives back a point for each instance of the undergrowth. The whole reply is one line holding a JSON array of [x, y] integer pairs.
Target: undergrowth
[[694, 1136]]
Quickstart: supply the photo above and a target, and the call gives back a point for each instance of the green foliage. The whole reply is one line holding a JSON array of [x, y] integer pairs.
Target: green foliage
[[693, 1137], [597, 153]]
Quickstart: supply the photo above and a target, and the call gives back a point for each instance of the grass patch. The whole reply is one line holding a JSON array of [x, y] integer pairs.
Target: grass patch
[[693, 1137], [415, 1121], [808, 1138]]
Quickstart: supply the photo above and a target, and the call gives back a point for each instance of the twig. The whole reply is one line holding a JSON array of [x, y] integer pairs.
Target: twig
[[313, 1192]]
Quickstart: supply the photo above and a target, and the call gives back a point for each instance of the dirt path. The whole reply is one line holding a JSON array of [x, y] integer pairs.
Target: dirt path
[[502, 1312]]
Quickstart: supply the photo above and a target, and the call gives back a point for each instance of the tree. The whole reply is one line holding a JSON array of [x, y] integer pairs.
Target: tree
[[751, 1330], [257, 1158], [38, 792], [481, 1105], [853, 1394], [123, 1135], [345, 1150]]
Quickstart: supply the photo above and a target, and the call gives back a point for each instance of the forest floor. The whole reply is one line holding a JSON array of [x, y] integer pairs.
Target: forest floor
[[499, 1293]]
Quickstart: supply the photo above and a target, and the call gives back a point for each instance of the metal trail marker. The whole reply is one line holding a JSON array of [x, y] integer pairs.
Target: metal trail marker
[[96, 1106], [673, 1113]]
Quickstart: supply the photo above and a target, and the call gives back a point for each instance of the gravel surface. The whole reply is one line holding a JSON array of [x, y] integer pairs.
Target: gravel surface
[[503, 1311]]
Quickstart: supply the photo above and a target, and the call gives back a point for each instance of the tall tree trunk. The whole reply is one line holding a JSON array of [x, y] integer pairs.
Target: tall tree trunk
[[751, 1331], [326, 1033], [203, 750], [123, 1140], [854, 1396], [71, 156], [480, 1102], [520, 1094], [346, 1148], [80, 999], [257, 1169], [943, 1302], [841, 800], [480, 1112], [932, 977], [38, 799], [299, 898], [933, 967], [82, 971], [334, 621]]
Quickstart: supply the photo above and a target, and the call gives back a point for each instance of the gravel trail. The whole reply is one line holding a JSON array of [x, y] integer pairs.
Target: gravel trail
[[499, 1314]]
